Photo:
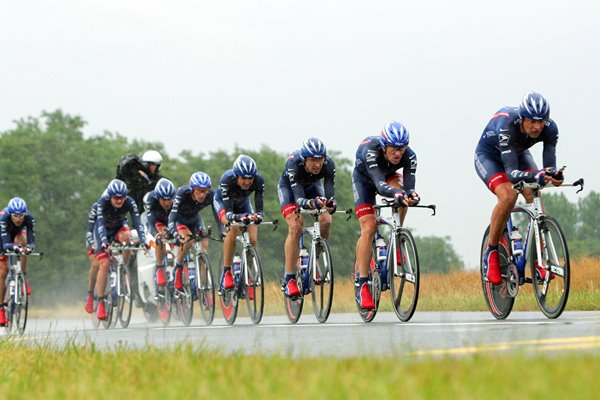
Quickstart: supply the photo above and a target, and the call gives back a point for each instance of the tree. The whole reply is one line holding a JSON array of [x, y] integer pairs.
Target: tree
[[436, 254]]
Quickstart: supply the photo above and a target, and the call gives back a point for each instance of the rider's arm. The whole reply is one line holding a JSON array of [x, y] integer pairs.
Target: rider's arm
[[329, 178], [215, 211], [510, 159], [225, 188], [292, 171], [259, 182], [135, 216], [549, 153], [172, 221], [6, 243], [30, 224], [89, 233], [377, 175], [409, 173], [101, 227]]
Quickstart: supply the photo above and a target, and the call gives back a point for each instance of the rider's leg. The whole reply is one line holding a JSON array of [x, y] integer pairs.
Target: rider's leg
[[124, 236], [368, 225], [325, 223], [507, 197], [103, 262], [3, 274], [93, 272], [21, 240], [292, 247]]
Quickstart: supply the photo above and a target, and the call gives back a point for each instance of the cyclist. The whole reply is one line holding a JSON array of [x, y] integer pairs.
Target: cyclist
[[111, 225], [185, 218], [140, 174], [91, 252], [232, 202], [502, 158], [300, 186], [17, 231], [376, 171], [158, 204]]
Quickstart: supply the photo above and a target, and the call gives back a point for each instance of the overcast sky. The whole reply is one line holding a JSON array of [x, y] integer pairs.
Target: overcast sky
[[204, 75]]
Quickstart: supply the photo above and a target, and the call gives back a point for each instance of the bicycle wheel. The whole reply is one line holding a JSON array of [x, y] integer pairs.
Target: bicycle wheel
[[497, 297], [184, 301], [21, 306], [374, 287], [254, 289], [9, 307], [124, 296], [552, 292], [150, 312], [205, 288], [110, 294], [322, 286], [163, 304], [293, 305], [94, 314], [229, 302], [403, 274]]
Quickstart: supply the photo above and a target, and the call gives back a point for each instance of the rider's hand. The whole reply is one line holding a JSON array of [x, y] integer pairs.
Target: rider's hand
[[540, 177], [331, 205], [245, 219], [258, 218], [413, 197], [401, 198], [104, 247], [556, 176], [146, 246]]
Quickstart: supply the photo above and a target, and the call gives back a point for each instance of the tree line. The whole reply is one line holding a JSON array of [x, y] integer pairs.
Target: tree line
[[59, 172]]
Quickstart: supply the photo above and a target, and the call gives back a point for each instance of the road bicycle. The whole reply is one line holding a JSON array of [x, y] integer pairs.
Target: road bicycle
[[249, 283], [544, 246], [17, 300], [394, 265], [314, 271], [118, 295]]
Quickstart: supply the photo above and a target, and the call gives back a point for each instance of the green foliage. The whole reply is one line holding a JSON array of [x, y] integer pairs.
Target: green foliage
[[436, 254], [60, 173]]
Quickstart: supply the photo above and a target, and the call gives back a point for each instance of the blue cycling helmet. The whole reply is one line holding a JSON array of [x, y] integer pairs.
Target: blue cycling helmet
[[244, 166], [313, 147], [116, 187], [534, 106], [394, 134], [200, 180], [16, 205], [164, 189]]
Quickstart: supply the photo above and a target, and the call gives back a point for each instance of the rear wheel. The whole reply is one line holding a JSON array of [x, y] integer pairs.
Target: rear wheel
[[321, 279], [551, 277], [205, 288], [374, 287], [403, 274], [110, 298], [20, 308], [9, 308], [254, 288], [229, 302], [124, 296], [293, 305], [497, 297], [163, 304]]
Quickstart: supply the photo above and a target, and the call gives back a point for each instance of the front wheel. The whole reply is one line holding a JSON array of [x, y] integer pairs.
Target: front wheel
[[184, 302], [205, 288], [498, 298], [403, 274], [374, 287], [124, 296], [254, 288], [551, 275], [321, 279]]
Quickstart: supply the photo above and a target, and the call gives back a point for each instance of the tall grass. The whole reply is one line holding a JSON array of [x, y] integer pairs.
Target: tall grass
[[83, 372]]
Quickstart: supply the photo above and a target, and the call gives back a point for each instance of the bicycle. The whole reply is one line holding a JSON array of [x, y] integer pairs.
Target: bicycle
[[314, 272], [118, 289], [249, 282], [397, 261], [17, 300], [201, 277], [545, 246]]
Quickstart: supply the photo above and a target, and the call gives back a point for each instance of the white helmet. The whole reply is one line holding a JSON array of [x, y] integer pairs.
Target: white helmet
[[152, 156]]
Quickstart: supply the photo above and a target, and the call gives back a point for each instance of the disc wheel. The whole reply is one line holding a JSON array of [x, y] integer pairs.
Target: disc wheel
[[497, 297]]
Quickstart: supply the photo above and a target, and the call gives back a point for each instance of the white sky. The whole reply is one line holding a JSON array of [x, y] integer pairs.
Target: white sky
[[204, 75]]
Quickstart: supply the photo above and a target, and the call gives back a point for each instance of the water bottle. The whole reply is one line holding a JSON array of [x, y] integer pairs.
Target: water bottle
[[516, 242], [381, 250], [192, 276], [237, 261], [303, 258], [12, 286], [113, 279]]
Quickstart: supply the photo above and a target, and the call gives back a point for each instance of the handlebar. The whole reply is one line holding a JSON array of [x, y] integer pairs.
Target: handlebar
[[319, 211], [534, 185], [393, 204], [275, 223], [123, 247], [22, 254]]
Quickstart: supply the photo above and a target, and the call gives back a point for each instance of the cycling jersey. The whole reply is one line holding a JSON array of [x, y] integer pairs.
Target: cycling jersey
[[231, 199], [372, 172], [502, 153], [89, 232], [8, 230], [297, 186], [155, 213], [186, 210], [110, 220]]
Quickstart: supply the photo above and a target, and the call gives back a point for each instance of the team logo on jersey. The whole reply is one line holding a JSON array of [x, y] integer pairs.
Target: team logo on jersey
[[503, 138], [413, 162], [371, 156]]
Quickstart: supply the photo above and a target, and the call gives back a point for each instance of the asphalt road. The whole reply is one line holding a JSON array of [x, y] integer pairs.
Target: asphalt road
[[345, 335]]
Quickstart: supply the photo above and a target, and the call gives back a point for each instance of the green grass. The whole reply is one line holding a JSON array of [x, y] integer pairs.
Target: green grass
[[81, 371]]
